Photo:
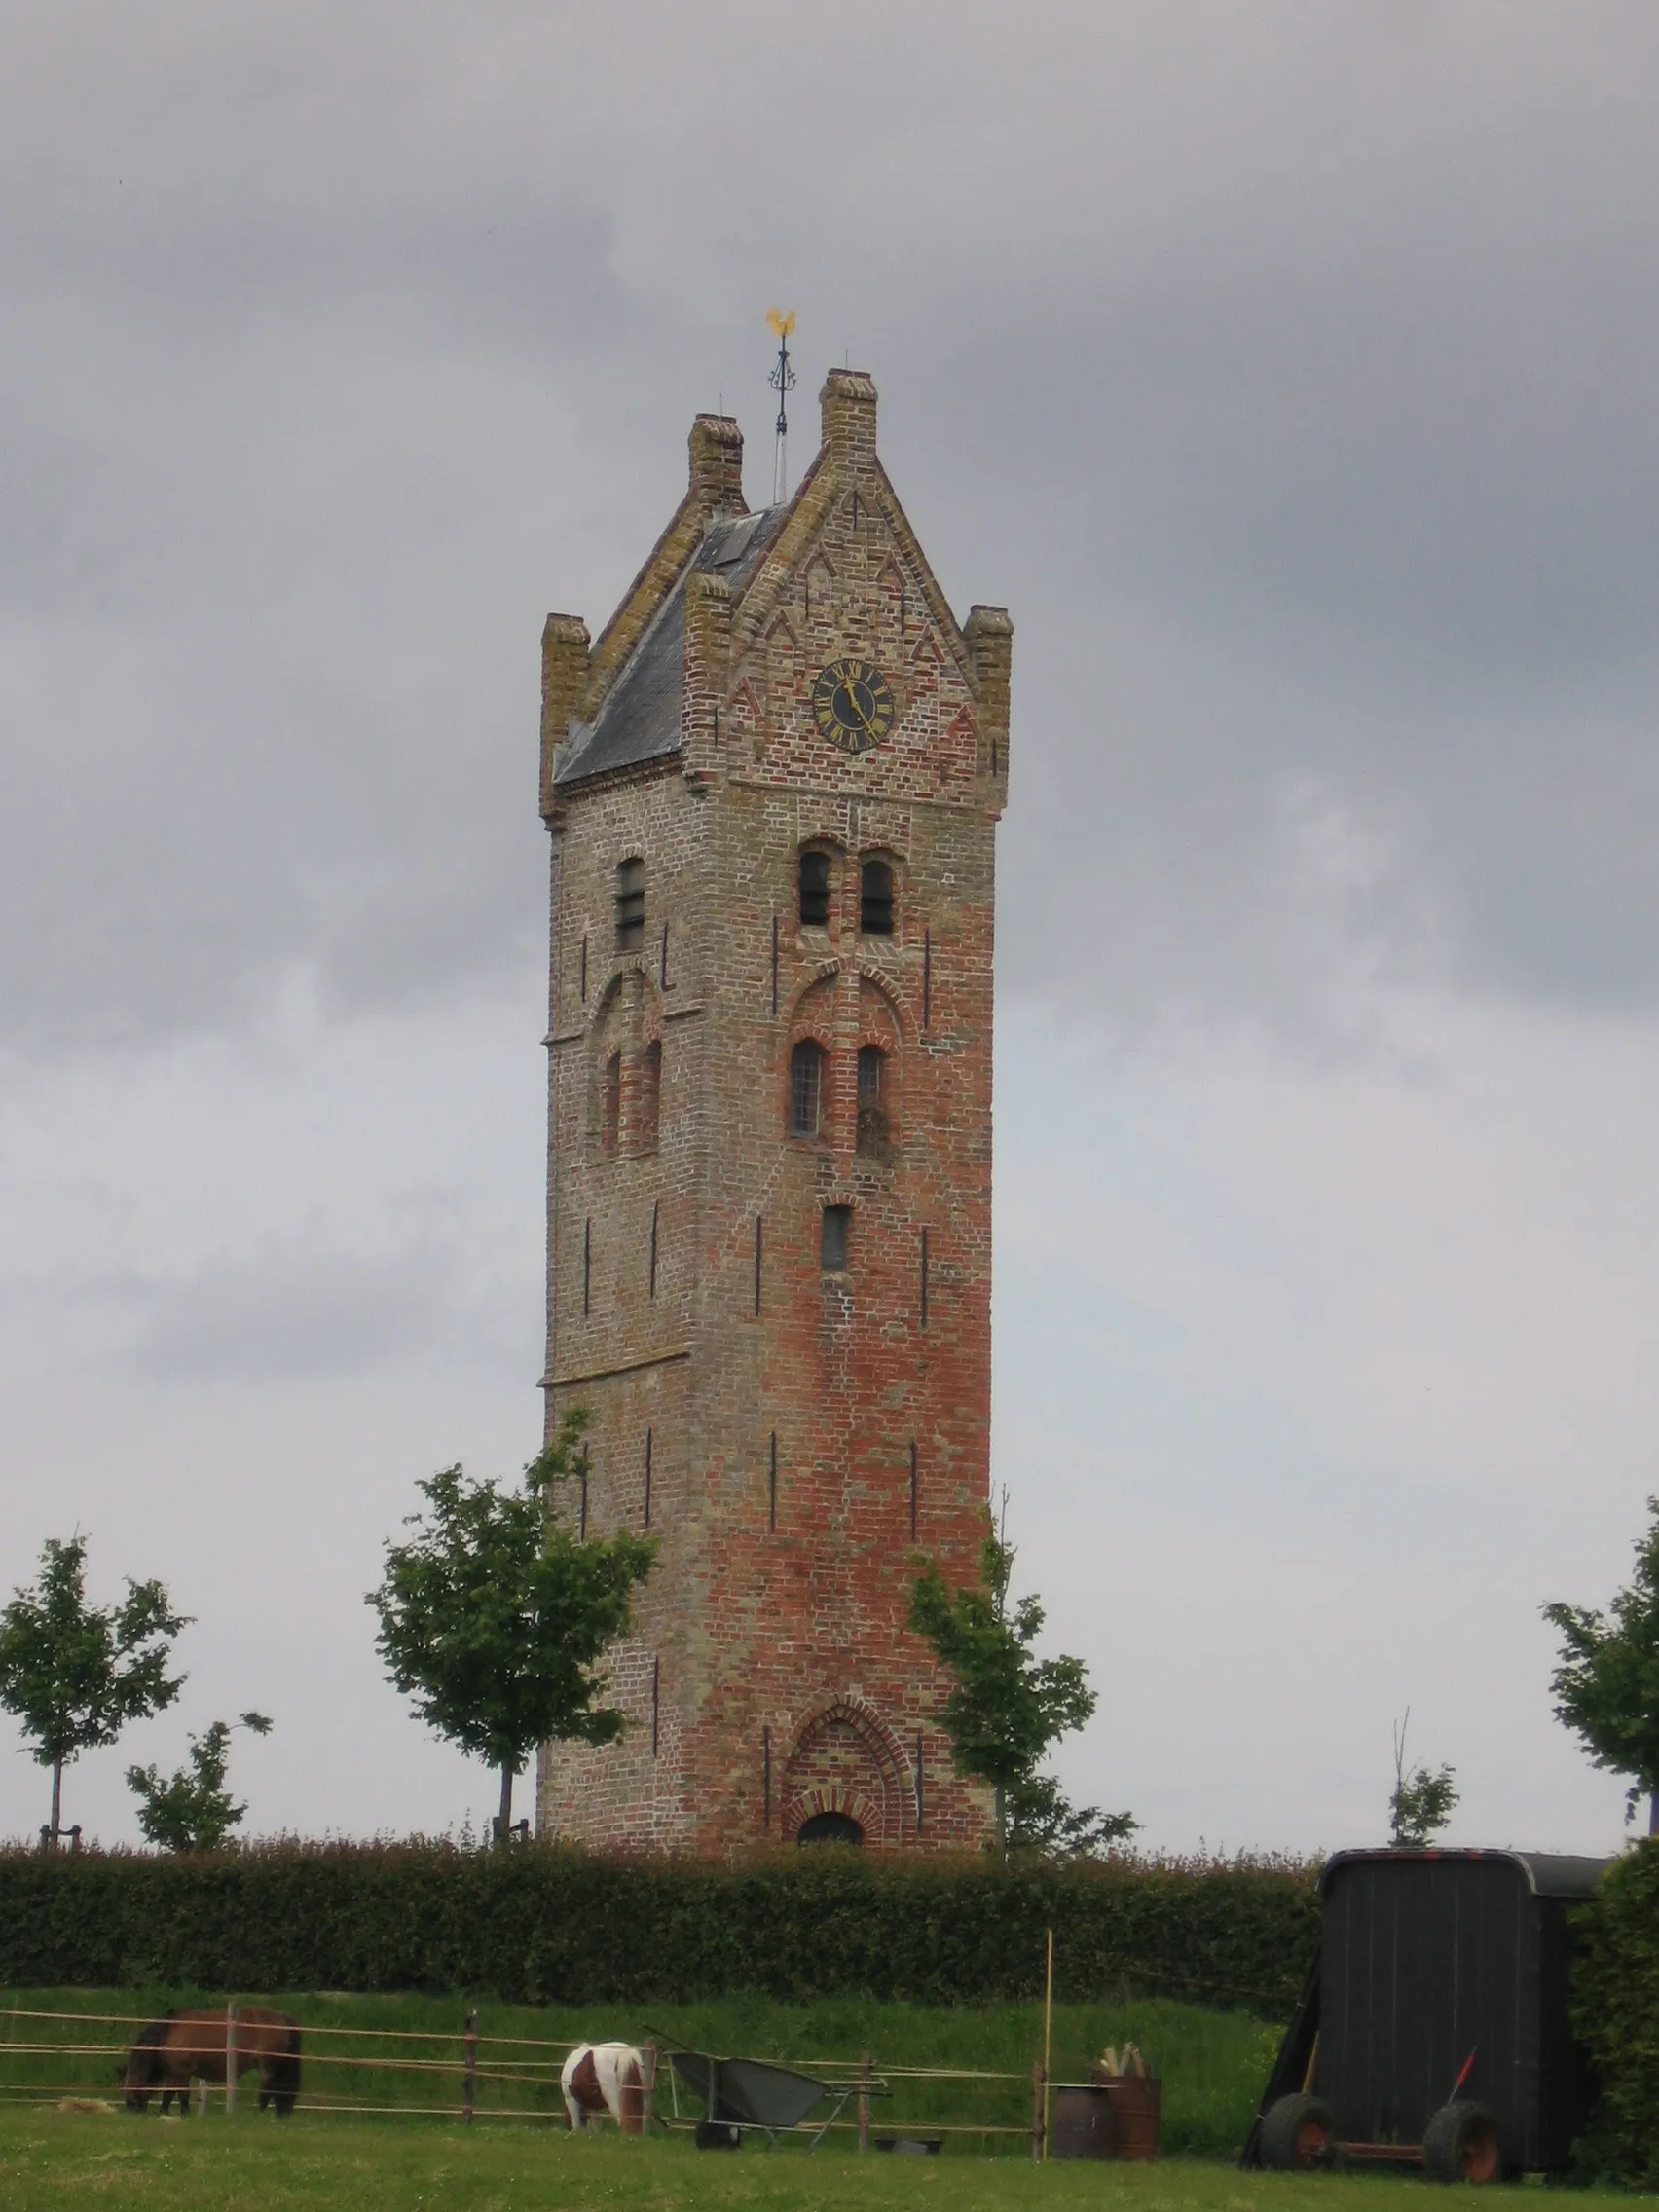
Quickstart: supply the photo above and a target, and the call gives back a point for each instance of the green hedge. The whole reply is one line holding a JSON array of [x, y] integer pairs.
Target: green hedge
[[1615, 2012], [544, 1923]]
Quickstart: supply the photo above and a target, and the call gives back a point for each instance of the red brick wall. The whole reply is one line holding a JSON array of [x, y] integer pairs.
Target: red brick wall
[[770, 1641]]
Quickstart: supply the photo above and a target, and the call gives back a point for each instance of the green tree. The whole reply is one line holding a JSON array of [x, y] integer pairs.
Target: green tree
[[493, 1615], [1009, 1705], [191, 1810], [1606, 1684], [75, 1675], [1423, 1802]]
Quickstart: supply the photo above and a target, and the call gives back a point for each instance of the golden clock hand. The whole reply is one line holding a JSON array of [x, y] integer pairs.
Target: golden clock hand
[[852, 700]]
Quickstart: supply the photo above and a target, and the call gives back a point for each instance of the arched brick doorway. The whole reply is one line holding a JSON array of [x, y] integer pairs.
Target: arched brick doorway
[[846, 1765]]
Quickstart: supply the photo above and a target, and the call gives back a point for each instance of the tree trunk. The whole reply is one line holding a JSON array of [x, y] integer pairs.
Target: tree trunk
[[1653, 1813], [57, 1799], [1000, 1799], [504, 1827]]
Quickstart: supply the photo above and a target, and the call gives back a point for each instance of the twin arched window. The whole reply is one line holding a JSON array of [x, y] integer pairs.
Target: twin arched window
[[875, 893], [630, 1107], [807, 1062]]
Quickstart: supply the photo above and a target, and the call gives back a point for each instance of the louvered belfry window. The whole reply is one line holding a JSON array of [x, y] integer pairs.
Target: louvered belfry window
[[875, 899], [630, 906], [814, 891]]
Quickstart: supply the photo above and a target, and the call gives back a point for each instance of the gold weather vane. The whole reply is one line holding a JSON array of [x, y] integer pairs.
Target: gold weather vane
[[780, 322]]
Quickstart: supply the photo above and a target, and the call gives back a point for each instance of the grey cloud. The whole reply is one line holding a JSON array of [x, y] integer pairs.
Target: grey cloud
[[294, 1312], [1289, 378]]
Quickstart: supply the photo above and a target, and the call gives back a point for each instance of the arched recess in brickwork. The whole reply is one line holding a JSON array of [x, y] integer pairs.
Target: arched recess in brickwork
[[625, 1063], [886, 993], [812, 1011], [846, 1759]]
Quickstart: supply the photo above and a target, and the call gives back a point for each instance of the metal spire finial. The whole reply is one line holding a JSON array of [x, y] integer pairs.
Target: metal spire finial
[[780, 322]]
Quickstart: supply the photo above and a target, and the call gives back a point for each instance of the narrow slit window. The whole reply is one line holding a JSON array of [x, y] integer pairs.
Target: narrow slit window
[[611, 1126], [650, 1094], [630, 906], [832, 1239], [655, 1209], [648, 1513], [656, 1703], [587, 1264], [814, 891], [807, 1087], [873, 1100], [581, 1509], [875, 899], [772, 1485]]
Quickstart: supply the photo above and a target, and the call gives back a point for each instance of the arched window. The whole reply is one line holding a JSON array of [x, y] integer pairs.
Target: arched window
[[807, 1087], [650, 1094], [814, 891], [610, 1108], [873, 1127], [875, 898], [630, 906], [830, 1827]]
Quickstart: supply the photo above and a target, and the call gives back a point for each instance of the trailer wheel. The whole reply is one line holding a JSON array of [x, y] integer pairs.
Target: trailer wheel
[[1297, 2135], [1461, 2144]]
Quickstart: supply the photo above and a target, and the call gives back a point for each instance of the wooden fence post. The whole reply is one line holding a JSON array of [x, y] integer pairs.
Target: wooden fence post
[[1039, 2111], [230, 2060], [1048, 2034], [864, 2100], [468, 2081]]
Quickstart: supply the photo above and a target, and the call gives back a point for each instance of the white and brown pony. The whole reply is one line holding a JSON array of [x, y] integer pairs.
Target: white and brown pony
[[601, 2078]]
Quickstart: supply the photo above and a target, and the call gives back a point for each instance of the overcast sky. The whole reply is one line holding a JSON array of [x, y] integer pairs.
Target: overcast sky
[[1288, 371]]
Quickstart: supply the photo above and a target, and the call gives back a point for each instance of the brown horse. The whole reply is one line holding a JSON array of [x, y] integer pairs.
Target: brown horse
[[181, 2048]]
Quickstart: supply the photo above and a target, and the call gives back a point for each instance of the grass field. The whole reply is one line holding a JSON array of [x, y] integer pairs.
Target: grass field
[[416, 2157], [52, 2161]]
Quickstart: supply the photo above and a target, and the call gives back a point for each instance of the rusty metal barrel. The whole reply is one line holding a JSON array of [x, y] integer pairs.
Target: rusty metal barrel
[[1136, 2100]]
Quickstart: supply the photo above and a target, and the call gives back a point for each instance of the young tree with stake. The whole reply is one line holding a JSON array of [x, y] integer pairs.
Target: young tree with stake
[[1007, 1706], [1423, 1802], [191, 1810], [493, 1617], [74, 1673]]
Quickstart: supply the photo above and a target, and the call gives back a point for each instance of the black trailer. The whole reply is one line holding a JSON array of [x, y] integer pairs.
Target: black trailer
[[1433, 2029]]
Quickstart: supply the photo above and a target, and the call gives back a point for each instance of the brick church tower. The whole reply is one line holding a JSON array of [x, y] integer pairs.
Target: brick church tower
[[773, 787]]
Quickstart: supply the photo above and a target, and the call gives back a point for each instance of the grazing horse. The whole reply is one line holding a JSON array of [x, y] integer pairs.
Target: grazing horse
[[600, 2077], [181, 2048]]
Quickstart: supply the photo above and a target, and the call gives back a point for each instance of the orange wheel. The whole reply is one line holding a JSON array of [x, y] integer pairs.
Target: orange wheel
[[1297, 2135], [1461, 2143]]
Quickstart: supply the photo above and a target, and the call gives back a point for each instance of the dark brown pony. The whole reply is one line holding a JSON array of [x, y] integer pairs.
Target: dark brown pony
[[181, 2048]]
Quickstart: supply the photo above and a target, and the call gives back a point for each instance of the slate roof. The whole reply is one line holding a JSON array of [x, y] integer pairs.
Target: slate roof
[[638, 718]]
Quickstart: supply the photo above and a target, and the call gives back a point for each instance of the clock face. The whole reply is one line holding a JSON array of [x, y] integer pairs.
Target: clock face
[[852, 704]]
